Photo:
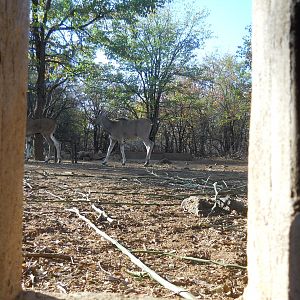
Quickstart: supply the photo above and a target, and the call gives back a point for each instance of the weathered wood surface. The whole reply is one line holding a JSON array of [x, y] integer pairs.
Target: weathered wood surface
[[13, 87]]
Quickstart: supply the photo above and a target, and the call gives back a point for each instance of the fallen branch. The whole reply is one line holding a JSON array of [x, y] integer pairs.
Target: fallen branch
[[177, 180], [191, 183], [177, 290], [105, 203], [195, 259], [206, 207]]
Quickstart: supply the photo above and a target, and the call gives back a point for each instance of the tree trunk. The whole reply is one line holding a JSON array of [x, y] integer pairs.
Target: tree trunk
[[154, 102], [40, 102], [155, 126], [274, 167], [96, 139], [13, 76], [166, 135], [40, 86]]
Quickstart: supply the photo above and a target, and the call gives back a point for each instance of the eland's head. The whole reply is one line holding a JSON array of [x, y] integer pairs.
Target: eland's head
[[102, 113]]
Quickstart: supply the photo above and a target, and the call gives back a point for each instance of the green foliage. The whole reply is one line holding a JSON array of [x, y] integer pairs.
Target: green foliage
[[229, 94], [153, 51], [198, 108], [225, 85], [71, 125], [180, 111], [245, 51], [64, 38], [209, 113]]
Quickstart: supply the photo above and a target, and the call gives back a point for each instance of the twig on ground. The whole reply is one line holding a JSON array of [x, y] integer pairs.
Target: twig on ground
[[225, 183], [195, 259], [55, 196], [65, 173], [215, 199], [205, 182], [106, 272], [106, 202], [72, 174], [86, 196], [177, 290], [49, 255], [177, 180], [137, 274], [27, 184]]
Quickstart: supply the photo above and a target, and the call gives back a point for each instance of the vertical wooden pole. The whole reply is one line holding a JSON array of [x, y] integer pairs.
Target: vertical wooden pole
[[273, 214], [13, 87]]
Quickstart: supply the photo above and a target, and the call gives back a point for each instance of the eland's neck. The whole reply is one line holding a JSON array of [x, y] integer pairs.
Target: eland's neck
[[105, 122]]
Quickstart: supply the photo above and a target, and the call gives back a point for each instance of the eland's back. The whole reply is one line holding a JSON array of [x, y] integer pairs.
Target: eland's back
[[131, 129], [44, 125]]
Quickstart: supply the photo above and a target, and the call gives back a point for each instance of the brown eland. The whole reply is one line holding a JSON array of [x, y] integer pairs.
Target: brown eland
[[121, 130], [46, 127]]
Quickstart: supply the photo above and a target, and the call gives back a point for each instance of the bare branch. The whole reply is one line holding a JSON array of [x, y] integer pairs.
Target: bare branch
[[177, 290]]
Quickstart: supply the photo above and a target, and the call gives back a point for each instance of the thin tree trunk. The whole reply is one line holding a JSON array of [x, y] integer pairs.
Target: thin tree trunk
[[95, 139], [40, 86]]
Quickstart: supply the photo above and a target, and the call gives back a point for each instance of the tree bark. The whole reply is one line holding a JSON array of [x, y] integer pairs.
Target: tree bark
[[38, 33], [274, 169], [13, 86]]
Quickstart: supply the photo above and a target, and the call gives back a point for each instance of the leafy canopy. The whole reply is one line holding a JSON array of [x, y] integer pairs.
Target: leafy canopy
[[154, 50]]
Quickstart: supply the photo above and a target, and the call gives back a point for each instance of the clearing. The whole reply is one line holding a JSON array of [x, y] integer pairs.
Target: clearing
[[63, 254]]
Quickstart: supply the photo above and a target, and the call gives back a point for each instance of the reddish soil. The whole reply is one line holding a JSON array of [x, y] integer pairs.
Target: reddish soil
[[63, 254]]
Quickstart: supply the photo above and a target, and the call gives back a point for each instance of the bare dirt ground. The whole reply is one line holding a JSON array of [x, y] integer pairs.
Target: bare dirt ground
[[63, 254]]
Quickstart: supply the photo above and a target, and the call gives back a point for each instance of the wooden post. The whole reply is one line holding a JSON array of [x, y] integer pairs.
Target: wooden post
[[13, 87], [273, 215]]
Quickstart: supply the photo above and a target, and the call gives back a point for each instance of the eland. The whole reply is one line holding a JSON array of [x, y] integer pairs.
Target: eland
[[121, 130], [46, 127]]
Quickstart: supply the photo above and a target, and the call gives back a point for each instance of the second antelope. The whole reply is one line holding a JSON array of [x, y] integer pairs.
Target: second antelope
[[121, 130], [46, 127]]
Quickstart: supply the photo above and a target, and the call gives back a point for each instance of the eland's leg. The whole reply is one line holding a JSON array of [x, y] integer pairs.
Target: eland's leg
[[57, 146], [123, 153], [49, 142], [149, 147], [28, 147], [110, 148]]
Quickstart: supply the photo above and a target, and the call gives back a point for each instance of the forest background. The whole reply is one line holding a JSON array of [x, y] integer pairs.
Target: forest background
[[151, 68]]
